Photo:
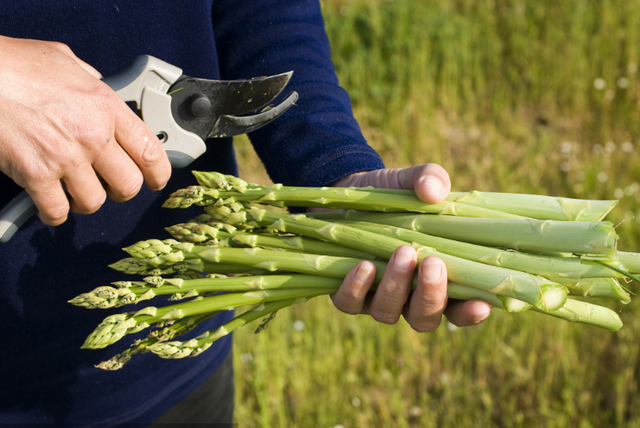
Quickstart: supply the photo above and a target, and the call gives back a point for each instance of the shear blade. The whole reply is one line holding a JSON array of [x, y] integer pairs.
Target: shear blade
[[224, 97], [235, 125]]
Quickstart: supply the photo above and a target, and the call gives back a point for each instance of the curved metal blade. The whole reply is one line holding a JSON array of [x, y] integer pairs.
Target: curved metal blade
[[221, 97], [236, 125]]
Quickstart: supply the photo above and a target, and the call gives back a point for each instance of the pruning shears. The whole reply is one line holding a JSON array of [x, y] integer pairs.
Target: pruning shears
[[183, 112]]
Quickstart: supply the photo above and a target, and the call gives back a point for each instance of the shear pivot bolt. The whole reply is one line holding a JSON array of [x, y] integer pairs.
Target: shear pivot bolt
[[200, 105]]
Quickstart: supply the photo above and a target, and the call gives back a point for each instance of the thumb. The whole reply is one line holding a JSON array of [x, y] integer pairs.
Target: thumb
[[430, 182]]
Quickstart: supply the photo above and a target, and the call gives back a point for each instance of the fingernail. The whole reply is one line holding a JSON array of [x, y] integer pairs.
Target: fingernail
[[432, 182], [364, 272], [404, 258], [431, 271], [477, 319]]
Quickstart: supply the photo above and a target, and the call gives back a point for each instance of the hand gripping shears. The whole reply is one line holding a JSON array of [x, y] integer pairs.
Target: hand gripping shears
[[183, 112]]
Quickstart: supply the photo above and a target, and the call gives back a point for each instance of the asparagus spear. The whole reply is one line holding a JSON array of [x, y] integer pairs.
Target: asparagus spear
[[524, 235], [218, 188], [192, 233], [131, 292]]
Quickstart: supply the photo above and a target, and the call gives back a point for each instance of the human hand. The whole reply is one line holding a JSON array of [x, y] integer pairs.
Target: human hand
[[423, 309], [60, 123]]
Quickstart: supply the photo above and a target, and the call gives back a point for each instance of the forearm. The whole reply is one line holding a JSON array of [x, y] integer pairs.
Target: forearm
[[318, 141]]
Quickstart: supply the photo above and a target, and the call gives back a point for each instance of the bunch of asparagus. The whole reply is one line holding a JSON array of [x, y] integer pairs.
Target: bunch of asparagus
[[516, 252]]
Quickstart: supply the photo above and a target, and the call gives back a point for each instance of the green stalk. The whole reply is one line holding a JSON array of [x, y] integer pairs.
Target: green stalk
[[165, 253], [115, 327], [300, 244], [605, 288], [572, 311], [176, 329], [194, 233], [134, 266], [529, 288], [215, 186], [537, 206], [125, 293], [220, 189], [540, 236], [195, 346], [327, 197]]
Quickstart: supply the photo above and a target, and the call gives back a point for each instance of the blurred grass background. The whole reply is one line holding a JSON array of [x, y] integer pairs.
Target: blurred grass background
[[509, 96]]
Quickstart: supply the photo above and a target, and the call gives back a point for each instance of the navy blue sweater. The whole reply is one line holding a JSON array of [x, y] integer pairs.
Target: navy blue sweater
[[44, 375]]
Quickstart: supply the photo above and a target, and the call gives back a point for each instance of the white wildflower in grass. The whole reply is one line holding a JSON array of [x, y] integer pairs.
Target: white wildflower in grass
[[610, 147], [565, 167], [597, 149], [415, 411], [451, 326], [602, 177], [298, 325], [618, 193], [565, 149], [622, 82], [627, 147], [609, 94], [246, 358], [599, 84], [355, 402]]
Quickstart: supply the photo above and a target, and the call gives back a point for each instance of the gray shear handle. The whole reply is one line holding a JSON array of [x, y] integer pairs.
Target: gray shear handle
[[130, 85], [15, 214]]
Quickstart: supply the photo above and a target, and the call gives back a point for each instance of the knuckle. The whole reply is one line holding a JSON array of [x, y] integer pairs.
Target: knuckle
[[54, 214], [352, 294], [53, 46], [102, 97], [385, 317], [130, 188], [93, 204], [60, 46], [93, 135], [344, 302], [347, 309], [425, 326], [436, 300], [152, 149], [394, 289]]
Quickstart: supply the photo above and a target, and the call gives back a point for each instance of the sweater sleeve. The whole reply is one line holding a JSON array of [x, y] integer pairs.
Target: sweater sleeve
[[317, 141]]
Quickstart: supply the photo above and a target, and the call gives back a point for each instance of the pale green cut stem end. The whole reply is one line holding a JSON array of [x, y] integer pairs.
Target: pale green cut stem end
[[572, 311]]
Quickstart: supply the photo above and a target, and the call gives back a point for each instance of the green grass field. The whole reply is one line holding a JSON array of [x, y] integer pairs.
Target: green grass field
[[509, 96]]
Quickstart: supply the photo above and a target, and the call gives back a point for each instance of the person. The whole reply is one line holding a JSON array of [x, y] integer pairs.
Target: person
[[60, 124]]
